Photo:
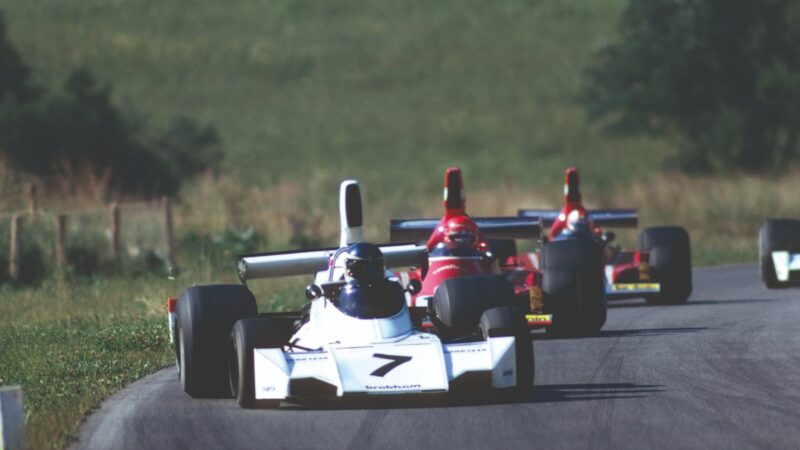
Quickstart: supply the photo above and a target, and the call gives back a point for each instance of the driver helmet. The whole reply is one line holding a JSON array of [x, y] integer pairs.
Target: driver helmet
[[363, 263], [461, 230], [368, 294], [577, 222]]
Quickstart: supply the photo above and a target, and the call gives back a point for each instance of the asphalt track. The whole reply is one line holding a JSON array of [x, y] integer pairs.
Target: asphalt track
[[722, 371]]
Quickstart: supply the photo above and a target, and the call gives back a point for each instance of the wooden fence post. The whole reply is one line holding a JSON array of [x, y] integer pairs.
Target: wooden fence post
[[169, 234], [12, 418], [114, 219], [33, 202], [61, 241], [14, 247]]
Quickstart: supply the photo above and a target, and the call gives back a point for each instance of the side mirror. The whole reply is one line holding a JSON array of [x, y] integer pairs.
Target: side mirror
[[313, 292], [609, 236], [414, 287]]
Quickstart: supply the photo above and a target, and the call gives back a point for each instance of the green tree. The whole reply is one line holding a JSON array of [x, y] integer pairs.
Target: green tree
[[67, 132], [15, 82], [722, 76]]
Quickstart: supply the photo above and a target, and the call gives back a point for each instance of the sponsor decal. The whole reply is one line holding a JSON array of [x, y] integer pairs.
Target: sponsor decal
[[623, 287], [467, 350], [394, 387], [307, 358], [545, 319], [396, 361], [268, 389]]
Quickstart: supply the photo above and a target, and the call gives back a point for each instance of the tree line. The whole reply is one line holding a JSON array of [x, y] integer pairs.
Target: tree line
[[77, 130], [719, 77]]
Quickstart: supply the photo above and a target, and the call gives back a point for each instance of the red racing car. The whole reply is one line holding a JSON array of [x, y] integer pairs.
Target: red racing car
[[475, 258], [458, 247], [660, 270]]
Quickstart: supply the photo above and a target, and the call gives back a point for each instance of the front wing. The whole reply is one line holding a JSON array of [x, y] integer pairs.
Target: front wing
[[787, 266], [416, 365]]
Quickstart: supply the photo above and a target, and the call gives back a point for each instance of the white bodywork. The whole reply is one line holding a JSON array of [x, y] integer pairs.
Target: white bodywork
[[785, 263], [349, 353]]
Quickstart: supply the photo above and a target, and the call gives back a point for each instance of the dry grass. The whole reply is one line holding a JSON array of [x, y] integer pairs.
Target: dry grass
[[722, 213]]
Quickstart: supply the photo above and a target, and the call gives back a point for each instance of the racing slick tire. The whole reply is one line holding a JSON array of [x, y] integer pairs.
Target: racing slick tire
[[249, 334], [206, 315], [671, 261], [458, 303], [510, 321], [573, 286], [774, 235]]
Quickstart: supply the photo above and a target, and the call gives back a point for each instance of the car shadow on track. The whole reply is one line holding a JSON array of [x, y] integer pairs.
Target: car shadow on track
[[622, 333], [553, 393], [642, 304]]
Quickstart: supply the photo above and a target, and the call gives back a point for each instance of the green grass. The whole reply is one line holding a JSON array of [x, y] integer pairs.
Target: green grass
[[372, 89], [68, 367]]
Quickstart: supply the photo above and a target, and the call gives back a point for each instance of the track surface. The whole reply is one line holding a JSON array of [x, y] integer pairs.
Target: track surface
[[722, 371]]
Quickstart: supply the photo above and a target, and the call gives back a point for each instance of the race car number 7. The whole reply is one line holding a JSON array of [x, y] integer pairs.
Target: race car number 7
[[396, 361]]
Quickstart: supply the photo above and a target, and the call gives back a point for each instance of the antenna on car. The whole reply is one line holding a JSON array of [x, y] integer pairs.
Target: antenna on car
[[454, 201], [351, 214]]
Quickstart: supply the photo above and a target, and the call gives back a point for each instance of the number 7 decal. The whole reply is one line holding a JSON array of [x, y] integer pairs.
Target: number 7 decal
[[396, 360]]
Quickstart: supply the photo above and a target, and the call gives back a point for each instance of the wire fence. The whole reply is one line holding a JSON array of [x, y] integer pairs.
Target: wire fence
[[87, 240]]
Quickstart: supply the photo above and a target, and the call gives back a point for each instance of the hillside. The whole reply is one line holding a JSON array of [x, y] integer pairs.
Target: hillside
[[376, 90]]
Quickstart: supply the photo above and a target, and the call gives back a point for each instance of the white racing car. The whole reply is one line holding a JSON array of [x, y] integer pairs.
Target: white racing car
[[354, 338], [779, 252]]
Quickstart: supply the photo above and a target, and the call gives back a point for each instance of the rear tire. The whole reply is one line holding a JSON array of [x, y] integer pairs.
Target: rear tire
[[249, 334], [458, 303], [776, 235], [573, 286], [670, 258], [510, 321], [206, 315]]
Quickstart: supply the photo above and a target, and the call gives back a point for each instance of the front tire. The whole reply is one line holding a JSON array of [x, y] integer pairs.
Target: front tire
[[573, 285], [206, 315], [510, 321], [458, 303], [247, 335], [670, 258], [776, 235]]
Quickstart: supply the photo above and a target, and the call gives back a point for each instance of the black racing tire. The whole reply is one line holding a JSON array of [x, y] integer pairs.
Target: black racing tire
[[774, 235], [573, 286], [206, 315], [670, 258], [510, 321], [249, 334], [458, 303]]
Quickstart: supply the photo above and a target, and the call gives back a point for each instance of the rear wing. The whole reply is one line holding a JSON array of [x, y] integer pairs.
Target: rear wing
[[307, 262], [606, 218], [418, 230]]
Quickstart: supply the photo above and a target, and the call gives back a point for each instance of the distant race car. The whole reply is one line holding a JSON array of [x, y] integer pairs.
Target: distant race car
[[355, 337], [779, 253], [660, 270], [483, 251]]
